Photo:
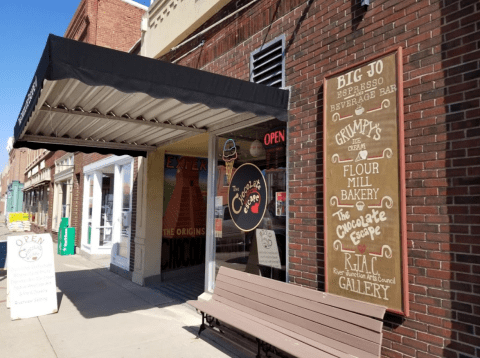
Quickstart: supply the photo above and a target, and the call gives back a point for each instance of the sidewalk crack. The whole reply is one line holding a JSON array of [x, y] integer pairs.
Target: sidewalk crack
[[46, 335]]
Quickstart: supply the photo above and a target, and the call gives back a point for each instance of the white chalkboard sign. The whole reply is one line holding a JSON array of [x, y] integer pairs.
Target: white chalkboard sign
[[31, 276], [267, 248]]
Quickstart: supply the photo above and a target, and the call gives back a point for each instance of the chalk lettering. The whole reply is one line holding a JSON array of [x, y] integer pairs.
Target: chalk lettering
[[360, 126], [359, 286]]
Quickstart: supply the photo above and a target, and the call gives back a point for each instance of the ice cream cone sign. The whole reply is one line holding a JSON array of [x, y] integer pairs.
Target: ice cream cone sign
[[229, 156]]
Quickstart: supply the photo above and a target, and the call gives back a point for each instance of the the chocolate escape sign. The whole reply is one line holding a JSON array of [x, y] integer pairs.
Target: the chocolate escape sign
[[247, 197], [363, 179]]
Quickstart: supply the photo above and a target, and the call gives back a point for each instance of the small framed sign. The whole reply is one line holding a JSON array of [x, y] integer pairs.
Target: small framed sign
[[268, 254], [364, 183]]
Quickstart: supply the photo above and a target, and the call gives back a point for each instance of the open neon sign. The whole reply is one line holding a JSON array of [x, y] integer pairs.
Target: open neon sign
[[275, 137]]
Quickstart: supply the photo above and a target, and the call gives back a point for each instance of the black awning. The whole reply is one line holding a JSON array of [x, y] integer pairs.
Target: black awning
[[202, 101]]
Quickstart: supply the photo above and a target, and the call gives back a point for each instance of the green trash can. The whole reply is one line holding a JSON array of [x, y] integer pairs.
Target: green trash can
[[66, 239], [61, 234], [69, 241]]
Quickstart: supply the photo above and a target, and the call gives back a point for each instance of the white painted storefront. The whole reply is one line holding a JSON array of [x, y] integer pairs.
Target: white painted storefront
[[107, 209]]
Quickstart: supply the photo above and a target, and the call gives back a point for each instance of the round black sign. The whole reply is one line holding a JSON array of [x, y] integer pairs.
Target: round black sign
[[247, 197]]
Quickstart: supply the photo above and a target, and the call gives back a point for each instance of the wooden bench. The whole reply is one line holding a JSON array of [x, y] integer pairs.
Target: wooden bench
[[300, 321]]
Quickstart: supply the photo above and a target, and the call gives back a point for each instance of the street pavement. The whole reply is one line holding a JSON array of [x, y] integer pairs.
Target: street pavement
[[104, 315]]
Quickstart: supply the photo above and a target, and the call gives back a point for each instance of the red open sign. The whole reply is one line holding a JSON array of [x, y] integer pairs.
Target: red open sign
[[275, 137]]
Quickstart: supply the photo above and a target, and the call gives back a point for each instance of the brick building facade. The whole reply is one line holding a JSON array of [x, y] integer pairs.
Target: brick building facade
[[441, 102], [49, 159], [108, 23], [17, 162], [441, 71]]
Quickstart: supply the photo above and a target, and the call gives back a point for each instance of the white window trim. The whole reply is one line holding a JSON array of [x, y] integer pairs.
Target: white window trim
[[89, 169], [57, 202], [121, 261], [84, 240], [66, 173]]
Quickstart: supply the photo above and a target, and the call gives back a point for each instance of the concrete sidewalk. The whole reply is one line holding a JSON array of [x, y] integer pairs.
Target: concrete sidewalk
[[103, 315]]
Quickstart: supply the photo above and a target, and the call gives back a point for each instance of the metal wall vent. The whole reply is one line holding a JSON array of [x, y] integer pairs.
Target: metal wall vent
[[267, 64]]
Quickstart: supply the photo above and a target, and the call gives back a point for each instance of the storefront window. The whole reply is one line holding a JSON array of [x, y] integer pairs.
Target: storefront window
[[90, 207], [126, 205], [107, 206], [28, 206], [237, 246], [43, 207], [106, 218], [65, 204], [34, 207]]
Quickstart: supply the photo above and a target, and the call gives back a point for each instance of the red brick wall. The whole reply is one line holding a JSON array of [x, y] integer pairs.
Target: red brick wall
[[440, 41], [17, 165], [82, 23], [118, 24], [108, 23]]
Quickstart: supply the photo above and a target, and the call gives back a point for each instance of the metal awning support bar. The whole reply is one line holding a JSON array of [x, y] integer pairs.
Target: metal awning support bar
[[148, 123], [88, 143]]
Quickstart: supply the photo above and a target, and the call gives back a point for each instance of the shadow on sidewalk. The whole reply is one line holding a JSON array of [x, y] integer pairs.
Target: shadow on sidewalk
[[99, 293], [232, 345], [183, 288]]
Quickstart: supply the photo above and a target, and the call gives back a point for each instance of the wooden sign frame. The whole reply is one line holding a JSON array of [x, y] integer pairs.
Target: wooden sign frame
[[369, 200]]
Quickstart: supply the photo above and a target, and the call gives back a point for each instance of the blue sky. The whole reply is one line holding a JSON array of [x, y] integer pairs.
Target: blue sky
[[24, 29]]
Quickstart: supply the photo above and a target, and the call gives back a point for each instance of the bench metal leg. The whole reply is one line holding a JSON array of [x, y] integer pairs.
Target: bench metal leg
[[266, 347], [202, 326], [218, 325]]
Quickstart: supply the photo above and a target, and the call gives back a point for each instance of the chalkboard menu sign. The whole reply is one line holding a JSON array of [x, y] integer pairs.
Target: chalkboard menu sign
[[31, 276], [364, 183]]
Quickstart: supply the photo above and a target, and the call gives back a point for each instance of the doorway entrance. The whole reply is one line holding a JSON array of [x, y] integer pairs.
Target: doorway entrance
[[184, 216], [107, 205]]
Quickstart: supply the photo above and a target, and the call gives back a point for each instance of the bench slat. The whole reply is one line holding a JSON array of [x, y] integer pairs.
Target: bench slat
[[306, 335], [272, 336], [326, 325], [300, 315], [336, 313], [364, 308], [342, 338]]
